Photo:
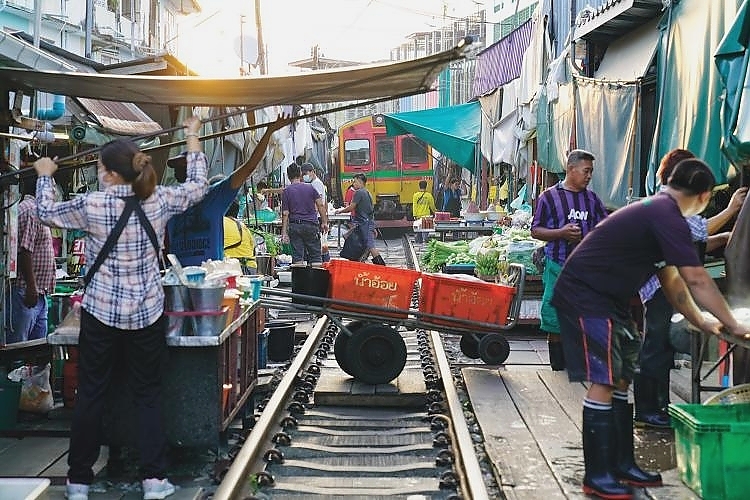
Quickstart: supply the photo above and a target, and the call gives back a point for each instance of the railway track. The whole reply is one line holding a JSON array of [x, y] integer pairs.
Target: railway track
[[322, 435]]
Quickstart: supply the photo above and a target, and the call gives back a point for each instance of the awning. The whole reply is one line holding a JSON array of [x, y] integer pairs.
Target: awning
[[691, 118], [453, 130], [732, 63], [122, 118], [501, 62], [629, 57], [16, 52], [614, 18], [363, 82]]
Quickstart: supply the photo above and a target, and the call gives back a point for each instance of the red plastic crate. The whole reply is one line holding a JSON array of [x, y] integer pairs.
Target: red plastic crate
[[479, 301], [371, 284]]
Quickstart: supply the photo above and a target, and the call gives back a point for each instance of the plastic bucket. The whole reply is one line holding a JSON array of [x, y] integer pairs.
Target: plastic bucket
[[280, 340], [206, 298], [308, 280], [10, 393], [176, 298]]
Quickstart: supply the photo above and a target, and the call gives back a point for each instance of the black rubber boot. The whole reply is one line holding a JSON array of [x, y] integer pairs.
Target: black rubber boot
[[648, 410], [626, 470], [556, 355], [598, 455], [378, 260]]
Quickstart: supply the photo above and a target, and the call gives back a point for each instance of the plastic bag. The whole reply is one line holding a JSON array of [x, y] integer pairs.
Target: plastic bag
[[36, 392]]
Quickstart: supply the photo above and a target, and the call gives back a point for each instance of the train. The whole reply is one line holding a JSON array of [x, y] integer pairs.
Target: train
[[394, 165]]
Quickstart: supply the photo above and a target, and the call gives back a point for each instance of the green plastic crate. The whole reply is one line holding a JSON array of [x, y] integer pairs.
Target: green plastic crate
[[713, 449]]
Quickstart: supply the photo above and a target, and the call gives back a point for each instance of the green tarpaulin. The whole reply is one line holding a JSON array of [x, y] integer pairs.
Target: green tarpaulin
[[688, 85], [731, 60], [453, 130]]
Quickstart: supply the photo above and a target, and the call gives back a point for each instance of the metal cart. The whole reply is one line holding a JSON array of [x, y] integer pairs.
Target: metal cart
[[369, 346]]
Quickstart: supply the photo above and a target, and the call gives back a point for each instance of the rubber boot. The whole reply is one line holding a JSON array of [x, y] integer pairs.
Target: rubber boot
[[648, 411], [556, 355], [626, 470], [378, 260], [598, 449]]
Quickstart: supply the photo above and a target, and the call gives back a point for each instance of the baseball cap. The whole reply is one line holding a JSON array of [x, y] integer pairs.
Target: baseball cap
[[307, 167], [177, 161]]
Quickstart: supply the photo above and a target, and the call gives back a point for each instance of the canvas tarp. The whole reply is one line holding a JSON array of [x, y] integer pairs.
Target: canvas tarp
[[688, 83], [453, 130], [361, 82], [598, 116], [732, 62], [615, 141]]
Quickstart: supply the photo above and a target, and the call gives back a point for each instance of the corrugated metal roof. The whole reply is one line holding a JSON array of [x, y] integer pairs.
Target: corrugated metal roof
[[122, 118], [614, 18]]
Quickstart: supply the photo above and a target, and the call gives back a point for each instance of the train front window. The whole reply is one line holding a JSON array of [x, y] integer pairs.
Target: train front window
[[386, 152], [357, 152], [413, 150]]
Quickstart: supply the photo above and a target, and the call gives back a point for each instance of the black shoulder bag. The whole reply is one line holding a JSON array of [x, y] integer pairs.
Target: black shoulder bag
[[131, 204]]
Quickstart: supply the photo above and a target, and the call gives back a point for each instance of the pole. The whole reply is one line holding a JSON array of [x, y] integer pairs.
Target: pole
[[37, 22], [89, 27], [261, 45]]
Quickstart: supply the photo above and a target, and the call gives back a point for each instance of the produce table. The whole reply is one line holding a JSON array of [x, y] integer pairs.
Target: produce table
[[207, 381], [462, 229]]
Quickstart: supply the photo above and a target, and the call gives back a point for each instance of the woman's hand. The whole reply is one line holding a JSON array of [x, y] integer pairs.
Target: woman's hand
[[192, 124], [45, 167]]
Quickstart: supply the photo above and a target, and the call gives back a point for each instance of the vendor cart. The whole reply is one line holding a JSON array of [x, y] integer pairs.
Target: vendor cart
[[369, 346]]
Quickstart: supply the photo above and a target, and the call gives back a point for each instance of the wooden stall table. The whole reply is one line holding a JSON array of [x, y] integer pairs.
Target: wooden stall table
[[207, 380], [339, 219]]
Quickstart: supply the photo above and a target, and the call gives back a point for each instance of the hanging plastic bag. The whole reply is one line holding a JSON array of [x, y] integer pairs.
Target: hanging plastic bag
[[36, 392], [519, 200], [325, 254]]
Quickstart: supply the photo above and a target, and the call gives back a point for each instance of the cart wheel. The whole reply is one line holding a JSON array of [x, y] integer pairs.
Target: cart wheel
[[376, 354], [470, 345], [342, 340], [494, 349]]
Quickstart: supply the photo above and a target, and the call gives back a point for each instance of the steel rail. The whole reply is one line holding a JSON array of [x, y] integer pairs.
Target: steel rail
[[250, 456], [470, 473]]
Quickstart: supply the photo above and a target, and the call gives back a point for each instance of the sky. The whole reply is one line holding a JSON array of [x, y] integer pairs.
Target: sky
[[352, 30]]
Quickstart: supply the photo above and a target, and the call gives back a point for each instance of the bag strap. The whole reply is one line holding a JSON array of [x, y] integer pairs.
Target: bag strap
[[132, 204], [150, 232]]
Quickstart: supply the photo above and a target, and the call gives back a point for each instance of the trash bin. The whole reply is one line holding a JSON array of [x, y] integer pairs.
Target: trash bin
[[10, 393], [308, 280], [280, 340]]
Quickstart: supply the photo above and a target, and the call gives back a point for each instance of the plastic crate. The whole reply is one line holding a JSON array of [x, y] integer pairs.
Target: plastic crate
[[472, 300], [371, 284], [711, 442]]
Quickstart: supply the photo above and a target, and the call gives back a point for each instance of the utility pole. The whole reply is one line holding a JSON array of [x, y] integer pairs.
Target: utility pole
[[261, 45]]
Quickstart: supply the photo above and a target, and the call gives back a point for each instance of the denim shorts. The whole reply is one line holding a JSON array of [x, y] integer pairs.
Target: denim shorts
[[28, 323]]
